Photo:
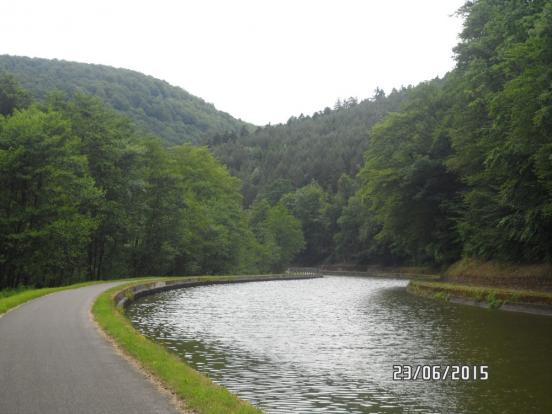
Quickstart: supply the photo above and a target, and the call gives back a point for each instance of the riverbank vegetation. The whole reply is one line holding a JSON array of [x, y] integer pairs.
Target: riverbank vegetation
[[493, 297], [489, 273], [474, 268], [84, 196]]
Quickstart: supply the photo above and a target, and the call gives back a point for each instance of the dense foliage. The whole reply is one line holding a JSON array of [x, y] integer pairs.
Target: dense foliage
[[454, 167], [307, 165], [460, 166], [274, 160], [155, 106], [83, 196], [465, 166]]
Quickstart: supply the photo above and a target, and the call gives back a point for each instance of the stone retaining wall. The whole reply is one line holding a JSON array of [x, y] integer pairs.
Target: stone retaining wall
[[125, 296]]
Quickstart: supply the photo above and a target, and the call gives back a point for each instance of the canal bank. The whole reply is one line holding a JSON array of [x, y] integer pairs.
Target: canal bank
[[493, 285], [195, 390], [410, 273], [515, 300], [517, 288], [127, 295]]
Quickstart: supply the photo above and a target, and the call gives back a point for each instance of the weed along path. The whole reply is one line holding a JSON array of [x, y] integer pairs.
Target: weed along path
[[53, 360]]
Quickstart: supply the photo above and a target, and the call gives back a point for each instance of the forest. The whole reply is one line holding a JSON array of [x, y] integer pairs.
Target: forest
[[154, 106], [84, 196], [451, 168], [455, 167]]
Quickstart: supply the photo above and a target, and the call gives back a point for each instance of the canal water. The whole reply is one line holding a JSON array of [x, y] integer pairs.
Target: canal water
[[329, 346]]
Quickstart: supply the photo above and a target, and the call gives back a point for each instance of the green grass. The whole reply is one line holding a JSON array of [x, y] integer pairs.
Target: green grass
[[197, 391], [4, 293], [442, 296], [10, 298], [494, 296], [14, 297]]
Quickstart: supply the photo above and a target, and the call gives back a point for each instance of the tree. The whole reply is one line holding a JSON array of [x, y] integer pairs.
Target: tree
[[109, 143], [411, 191], [45, 195], [501, 134], [310, 205], [285, 235], [12, 97]]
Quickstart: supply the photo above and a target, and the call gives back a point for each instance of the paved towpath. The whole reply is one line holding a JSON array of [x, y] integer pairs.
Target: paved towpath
[[54, 361]]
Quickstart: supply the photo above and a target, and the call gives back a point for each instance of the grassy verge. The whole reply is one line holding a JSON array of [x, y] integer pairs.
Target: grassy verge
[[197, 391], [495, 297], [501, 275], [11, 299]]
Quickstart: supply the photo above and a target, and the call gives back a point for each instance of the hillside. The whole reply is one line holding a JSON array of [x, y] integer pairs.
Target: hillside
[[452, 168], [322, 147], [154, 105]]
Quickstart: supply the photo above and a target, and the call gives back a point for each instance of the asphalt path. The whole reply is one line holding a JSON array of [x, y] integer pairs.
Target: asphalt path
[[54, 361]]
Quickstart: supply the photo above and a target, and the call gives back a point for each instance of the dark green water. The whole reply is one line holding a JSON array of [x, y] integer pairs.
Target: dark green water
[[329, 345]]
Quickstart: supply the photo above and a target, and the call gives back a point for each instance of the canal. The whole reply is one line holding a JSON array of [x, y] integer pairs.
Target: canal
[[329, 346]]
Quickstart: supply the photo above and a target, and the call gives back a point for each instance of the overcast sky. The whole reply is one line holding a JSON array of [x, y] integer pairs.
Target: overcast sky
[[259, 60]]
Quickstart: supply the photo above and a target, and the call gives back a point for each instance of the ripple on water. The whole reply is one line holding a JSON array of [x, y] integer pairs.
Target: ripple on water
[[328, 345]]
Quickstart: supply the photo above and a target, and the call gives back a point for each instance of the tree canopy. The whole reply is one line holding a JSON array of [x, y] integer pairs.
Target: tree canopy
[[464, 167], [154, 106], [452, 167], [84, 195]]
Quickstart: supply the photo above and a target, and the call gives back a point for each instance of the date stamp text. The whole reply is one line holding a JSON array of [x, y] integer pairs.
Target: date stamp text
[[440, 372]]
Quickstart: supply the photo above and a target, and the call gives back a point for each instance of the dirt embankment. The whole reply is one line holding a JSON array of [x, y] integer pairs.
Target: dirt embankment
[[501, 275], [522, 288]]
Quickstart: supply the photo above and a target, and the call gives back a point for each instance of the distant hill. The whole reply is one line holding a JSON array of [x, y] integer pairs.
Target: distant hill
[[156, 106], [320, 147]]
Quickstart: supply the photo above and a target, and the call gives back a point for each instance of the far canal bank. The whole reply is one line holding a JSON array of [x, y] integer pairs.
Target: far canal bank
[[518, 288]]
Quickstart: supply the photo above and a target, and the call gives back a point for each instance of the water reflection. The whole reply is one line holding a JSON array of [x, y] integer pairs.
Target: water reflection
[[328, 345]]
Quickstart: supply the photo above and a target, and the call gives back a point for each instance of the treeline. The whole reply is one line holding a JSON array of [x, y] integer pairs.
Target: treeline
[[455, 167], [465, 168], [273, 160], [85, 196], [156, 107]]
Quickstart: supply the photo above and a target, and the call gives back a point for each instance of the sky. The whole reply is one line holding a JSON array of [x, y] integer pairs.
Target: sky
[[259, 60]]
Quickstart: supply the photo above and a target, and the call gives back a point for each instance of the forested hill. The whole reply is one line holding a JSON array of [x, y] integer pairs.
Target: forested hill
[[84, 195], [155, 106], [276, 159], [455, 168]]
